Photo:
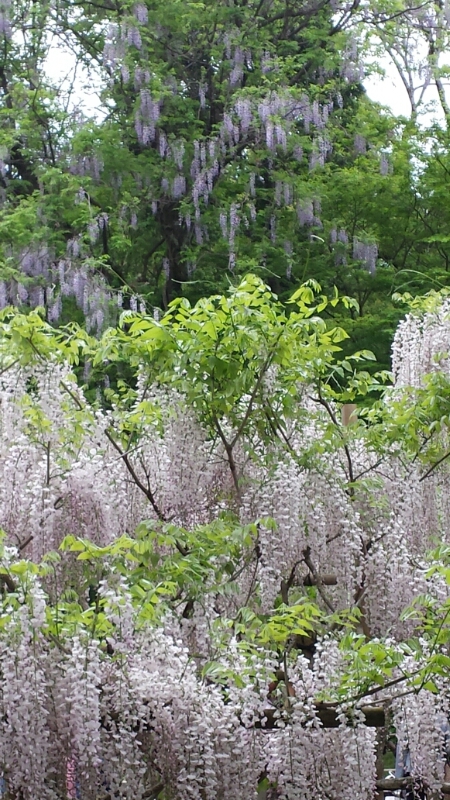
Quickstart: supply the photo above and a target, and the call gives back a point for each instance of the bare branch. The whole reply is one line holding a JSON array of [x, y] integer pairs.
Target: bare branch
[[317, 578], [146, 490], [434, 466], [326, 405]]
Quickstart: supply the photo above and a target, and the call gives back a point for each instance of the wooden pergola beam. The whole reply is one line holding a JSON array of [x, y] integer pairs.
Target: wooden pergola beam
[[393, 784], [374, 717]]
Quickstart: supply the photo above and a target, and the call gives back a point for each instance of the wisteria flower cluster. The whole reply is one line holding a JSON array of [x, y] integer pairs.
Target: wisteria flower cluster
[[114, 681]]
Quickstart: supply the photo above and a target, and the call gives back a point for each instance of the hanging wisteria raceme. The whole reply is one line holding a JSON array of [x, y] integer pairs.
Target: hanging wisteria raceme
[[5, 20], [63, 489], [48, 282], [422, 749], [366, 253], [420, 345]]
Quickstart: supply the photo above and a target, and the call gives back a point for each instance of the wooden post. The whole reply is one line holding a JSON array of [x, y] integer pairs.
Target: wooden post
[[349, 414]]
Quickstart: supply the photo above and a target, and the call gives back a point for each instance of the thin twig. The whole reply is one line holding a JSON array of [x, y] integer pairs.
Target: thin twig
[[321, 401], [286, 585], [229, 451], [25, 543], [58, 644], [9, 366], [146, 490], [316, 576], [433, 466], [255, 390], [7, 581], [75, 399]]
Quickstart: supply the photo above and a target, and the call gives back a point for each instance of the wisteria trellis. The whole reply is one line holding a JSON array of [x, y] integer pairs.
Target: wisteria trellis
[[132, 715]]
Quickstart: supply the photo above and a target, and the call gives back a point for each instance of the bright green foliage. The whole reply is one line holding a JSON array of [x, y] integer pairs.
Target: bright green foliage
[[164, 569], [243, 362]]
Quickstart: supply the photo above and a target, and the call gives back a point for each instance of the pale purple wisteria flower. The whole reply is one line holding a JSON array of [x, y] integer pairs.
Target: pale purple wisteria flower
[[367, 253], [141, 13], [384, 164], [360, 145]]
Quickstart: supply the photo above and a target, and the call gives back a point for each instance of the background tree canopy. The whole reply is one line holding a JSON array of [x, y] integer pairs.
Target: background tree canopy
[[229, 137]]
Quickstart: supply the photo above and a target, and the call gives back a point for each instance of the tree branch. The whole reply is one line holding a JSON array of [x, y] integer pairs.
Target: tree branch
[[146, 490], [317, 578], [229, 451], [321, 400], [433, 466]]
